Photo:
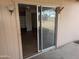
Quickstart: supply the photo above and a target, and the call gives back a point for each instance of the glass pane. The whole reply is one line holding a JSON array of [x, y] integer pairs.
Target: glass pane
[[47, 26]]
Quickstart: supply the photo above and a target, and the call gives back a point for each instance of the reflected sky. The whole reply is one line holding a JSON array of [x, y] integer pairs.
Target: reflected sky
[[48, 13]]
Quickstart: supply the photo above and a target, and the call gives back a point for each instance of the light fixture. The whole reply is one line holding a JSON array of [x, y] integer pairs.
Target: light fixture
[[11, 7], [59, 9]]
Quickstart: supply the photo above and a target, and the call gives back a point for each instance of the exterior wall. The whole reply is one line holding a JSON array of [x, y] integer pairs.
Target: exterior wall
[[8, 35], [67, 25]]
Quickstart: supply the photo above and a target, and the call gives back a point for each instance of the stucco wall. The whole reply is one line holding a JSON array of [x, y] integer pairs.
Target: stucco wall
[[67, 25], [8, 35]]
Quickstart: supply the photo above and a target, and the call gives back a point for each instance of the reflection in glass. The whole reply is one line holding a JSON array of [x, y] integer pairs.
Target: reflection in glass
[[47, 26]]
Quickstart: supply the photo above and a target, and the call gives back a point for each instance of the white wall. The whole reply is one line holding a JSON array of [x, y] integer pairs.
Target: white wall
[[22, 21], [28, 21], [8, 35], [68, 27]]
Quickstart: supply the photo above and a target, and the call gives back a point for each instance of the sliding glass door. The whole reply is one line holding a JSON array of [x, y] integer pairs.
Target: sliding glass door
[[46, 27]]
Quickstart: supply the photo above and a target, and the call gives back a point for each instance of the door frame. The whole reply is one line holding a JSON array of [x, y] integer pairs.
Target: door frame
[[38, 30], [19, 31]]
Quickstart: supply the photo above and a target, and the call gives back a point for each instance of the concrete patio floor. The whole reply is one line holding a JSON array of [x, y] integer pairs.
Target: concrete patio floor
[[69, 51]]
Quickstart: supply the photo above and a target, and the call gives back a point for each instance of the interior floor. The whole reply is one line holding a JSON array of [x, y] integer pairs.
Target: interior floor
[[29, 43]]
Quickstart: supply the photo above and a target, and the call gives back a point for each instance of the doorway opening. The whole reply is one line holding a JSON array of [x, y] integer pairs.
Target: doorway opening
[[28, 27], [38, 28]]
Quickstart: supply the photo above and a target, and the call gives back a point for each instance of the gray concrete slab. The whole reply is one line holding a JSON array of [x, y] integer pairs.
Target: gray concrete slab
[[70, 51]]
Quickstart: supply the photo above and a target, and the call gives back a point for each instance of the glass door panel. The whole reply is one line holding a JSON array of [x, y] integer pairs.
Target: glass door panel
[[46, 22], [47, 26]]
